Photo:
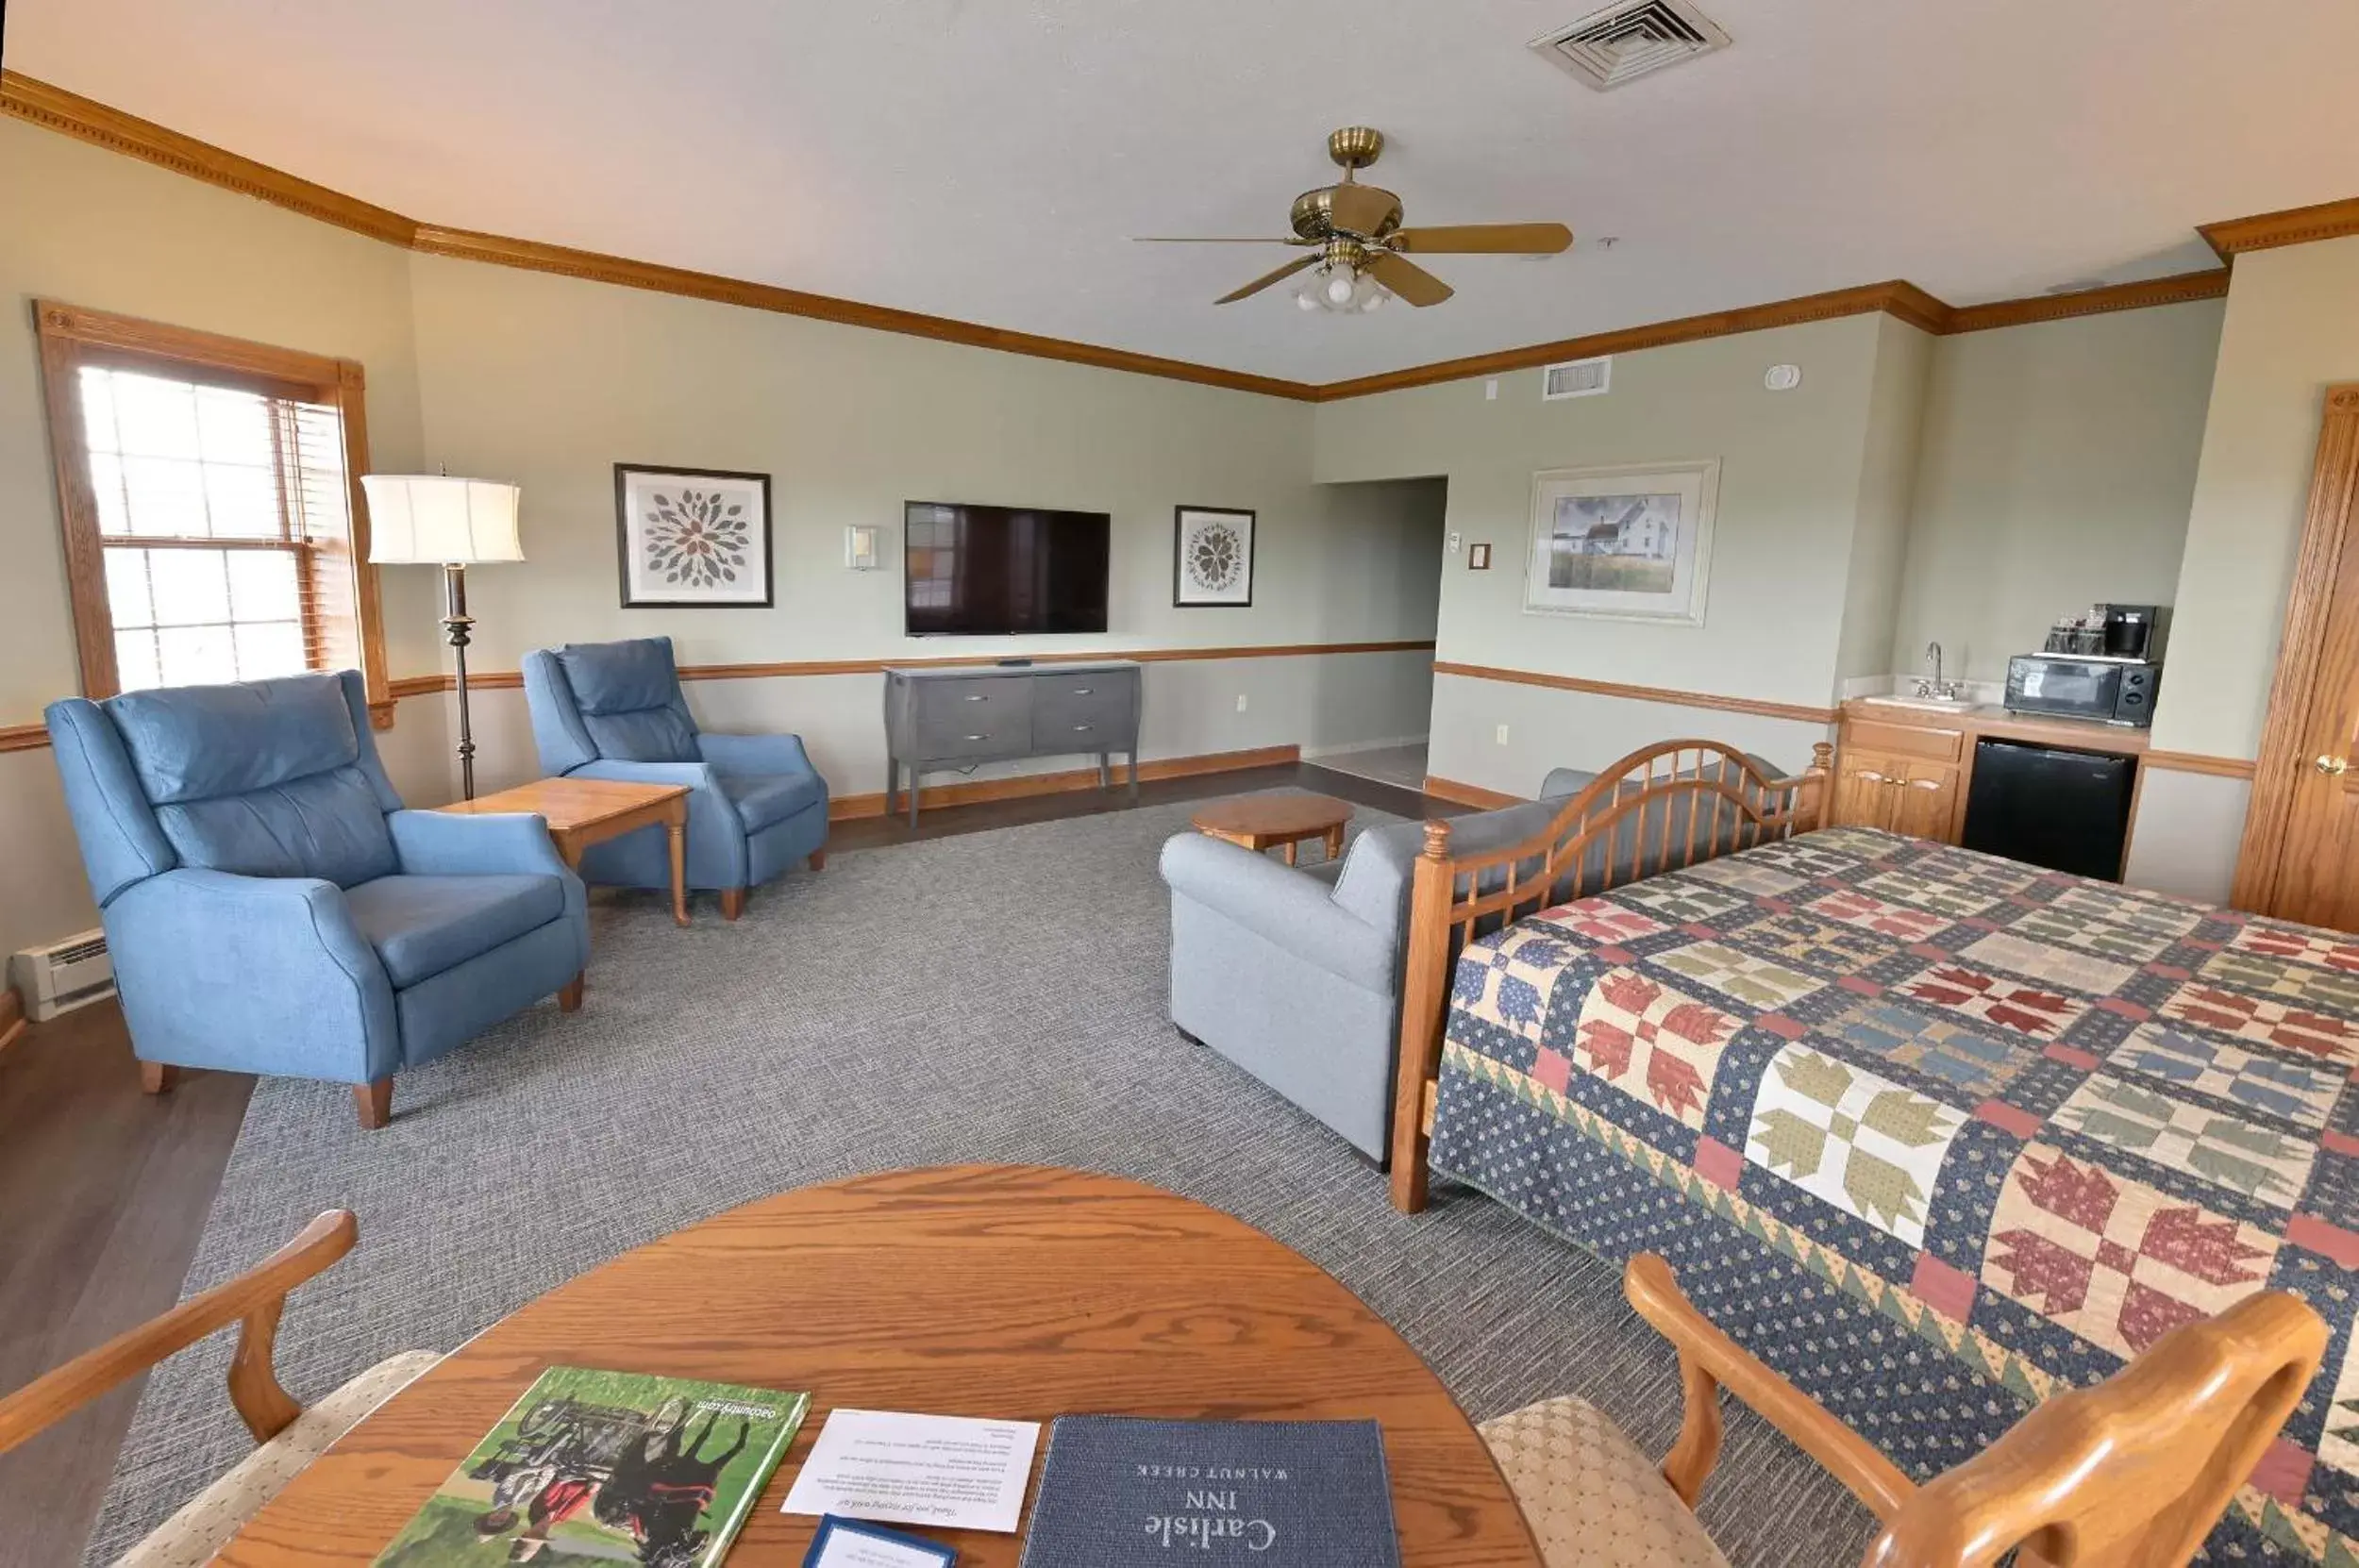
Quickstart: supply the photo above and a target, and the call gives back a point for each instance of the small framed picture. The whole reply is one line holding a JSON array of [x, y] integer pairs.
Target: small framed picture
[[1211, 558], [1478, 558], [692, 538]]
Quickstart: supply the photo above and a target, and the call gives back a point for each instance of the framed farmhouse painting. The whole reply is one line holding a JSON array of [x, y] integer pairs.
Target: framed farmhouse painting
[[692, 538], [1211, 559], [1632, 541]]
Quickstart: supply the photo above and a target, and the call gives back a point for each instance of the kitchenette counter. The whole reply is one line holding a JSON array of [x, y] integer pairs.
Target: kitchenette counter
[[1999, 725]]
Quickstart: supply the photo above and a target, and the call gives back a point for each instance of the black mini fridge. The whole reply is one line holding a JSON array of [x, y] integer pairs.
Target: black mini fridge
[[2068, 811]]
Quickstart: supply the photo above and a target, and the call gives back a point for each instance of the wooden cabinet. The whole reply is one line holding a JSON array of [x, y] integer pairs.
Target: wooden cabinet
[[1903, 778]]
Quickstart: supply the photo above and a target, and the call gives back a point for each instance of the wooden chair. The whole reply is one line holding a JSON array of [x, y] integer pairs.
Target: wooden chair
[[2132, 1473], [288, 1437]]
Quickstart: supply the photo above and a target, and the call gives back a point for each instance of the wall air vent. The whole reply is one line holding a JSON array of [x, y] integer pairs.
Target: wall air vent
[[1578, 378], [1609, 47]]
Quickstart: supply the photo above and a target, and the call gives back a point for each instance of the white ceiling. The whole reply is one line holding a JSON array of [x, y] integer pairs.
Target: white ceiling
[[987, 159]]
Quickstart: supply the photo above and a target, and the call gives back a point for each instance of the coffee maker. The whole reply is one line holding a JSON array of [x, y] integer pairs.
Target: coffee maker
[[2128, 633]]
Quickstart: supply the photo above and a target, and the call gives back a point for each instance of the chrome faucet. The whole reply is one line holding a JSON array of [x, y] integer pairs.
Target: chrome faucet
[[1933, 685]]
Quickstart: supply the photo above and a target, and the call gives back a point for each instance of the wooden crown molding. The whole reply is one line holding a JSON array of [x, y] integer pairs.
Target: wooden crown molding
[[2295, 226], [39, 103]]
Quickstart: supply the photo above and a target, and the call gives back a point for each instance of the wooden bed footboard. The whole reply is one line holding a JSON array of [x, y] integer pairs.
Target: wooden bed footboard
[[1660, 808]]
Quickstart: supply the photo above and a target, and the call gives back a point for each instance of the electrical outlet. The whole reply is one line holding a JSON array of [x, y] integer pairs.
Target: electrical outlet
[[1491, 389], [1452, 547], [1240, 702], [1502, 735]]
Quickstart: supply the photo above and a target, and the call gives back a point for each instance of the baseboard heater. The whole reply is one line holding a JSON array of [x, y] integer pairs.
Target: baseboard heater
[[63, 975]]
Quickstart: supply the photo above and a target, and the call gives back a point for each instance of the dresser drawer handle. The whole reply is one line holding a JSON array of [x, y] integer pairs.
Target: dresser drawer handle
[[1083, 729], [978, 737], [1083, 691], [979, 696]]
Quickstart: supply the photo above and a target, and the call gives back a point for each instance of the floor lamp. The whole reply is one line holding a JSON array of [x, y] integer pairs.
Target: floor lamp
[[434, 519]]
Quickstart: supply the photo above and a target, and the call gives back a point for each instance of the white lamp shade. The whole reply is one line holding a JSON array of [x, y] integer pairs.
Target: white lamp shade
[[435, 520]]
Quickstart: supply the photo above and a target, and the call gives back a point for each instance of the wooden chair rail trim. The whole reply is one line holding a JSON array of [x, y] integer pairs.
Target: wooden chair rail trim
[[1591, 818], [1709, 1361], [54, 109], [254, 1299], [2195, 762], [1800, 712]]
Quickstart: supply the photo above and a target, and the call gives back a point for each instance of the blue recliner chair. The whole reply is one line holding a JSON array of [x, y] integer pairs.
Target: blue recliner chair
[[614, 711], [272, 909]]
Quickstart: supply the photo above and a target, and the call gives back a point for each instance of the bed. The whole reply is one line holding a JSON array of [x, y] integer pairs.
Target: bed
[[1933, 1133]]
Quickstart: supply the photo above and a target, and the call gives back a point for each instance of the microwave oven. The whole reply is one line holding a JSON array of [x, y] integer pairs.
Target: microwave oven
[[2112, 690]]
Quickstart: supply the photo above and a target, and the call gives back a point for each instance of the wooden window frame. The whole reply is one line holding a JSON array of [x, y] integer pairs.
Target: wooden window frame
[[73, 337]]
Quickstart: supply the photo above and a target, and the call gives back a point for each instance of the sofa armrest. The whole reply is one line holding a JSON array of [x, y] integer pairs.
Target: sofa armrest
[[448, 843], [261, 973], [1282, 905], [740, 756]]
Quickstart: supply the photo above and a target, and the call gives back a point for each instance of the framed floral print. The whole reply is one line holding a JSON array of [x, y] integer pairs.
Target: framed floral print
[[1211, 558], [692, 538]]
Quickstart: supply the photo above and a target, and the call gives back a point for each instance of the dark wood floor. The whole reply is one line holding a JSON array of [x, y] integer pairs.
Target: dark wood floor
[[104, 1191]]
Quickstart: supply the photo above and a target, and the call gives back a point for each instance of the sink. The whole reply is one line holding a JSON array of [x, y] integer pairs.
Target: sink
[[1935, 705]]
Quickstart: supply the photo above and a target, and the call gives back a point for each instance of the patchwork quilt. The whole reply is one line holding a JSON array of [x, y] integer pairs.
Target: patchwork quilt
[[1936, 1134]]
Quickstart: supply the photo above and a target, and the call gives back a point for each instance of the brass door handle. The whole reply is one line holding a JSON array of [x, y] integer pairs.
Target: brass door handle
[[2332, 765]]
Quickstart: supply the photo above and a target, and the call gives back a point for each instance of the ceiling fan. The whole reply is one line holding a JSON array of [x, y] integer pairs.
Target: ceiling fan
[[1360, 249]]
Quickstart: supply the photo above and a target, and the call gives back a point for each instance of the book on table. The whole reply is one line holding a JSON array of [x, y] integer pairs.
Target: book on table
[[1117, 1491], [595, 1467]]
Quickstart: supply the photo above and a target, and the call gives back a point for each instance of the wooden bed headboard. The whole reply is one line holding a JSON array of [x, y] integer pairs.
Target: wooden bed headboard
[[1660, 808]]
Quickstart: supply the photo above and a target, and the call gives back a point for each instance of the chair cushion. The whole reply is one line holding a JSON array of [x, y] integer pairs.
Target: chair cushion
[[1593, 1500], [263, 779], [629, 698], [421, 926], [763, 800], [190, 1537]]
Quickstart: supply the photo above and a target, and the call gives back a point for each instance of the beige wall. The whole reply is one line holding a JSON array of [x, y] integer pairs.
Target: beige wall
[[2292, 329], [550, 381], [2056, 470], [1879, 536]]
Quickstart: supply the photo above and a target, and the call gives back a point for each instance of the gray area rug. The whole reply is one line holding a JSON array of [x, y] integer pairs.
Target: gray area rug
[[995, 996]]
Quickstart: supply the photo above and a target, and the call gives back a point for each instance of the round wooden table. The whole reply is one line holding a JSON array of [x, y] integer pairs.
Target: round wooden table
[[1278, 820], [1012, 1292]]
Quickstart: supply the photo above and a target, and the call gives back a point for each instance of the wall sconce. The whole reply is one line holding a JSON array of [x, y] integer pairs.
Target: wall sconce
[[860, 547]]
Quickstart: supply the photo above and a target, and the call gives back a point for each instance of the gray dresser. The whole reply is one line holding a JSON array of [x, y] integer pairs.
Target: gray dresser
[[966, 714]]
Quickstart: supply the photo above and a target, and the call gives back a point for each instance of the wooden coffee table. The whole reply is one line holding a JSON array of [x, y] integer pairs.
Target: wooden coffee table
[[1011, 1292], [1284, 819], [583, 812]]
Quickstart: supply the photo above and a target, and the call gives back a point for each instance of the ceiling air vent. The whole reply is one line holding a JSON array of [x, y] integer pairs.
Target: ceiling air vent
[[1609, 47], [1577, 378]]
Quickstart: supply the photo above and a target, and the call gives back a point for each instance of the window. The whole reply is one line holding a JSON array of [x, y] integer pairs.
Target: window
[[208, 508]]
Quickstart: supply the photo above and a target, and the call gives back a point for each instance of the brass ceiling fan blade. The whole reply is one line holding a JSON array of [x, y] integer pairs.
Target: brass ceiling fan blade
[[1408, 280], [1361, 208], [1268, 278], [1217, 239], [1486, 238]]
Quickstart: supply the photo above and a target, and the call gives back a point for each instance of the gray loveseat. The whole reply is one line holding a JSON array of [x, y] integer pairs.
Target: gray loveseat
[[1294, 975]]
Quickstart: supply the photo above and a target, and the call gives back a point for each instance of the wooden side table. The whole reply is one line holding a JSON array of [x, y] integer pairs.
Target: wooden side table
[[1283, 820], [583, 812]]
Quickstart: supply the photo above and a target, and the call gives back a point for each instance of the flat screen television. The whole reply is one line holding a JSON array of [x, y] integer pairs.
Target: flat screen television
[[985, 571]]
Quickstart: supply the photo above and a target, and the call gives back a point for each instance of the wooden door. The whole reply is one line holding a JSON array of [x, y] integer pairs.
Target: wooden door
[[2301, 853], [1925, 801]]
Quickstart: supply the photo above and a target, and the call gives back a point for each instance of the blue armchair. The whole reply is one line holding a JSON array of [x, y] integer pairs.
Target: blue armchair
[[614, 711], [270, 905]]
